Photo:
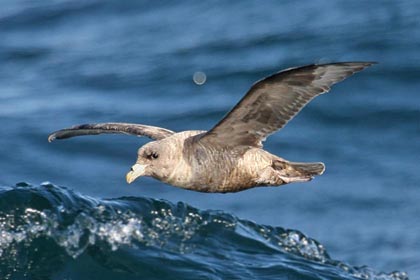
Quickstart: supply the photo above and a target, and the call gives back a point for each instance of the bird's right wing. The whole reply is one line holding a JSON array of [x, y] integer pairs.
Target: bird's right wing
[[152, 132], [273, 101]]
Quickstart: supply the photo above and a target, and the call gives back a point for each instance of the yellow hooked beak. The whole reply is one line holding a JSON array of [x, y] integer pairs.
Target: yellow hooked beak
[[136, 171]]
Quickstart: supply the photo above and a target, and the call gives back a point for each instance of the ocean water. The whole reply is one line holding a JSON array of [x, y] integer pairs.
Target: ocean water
[[71, 62], [152, 239]]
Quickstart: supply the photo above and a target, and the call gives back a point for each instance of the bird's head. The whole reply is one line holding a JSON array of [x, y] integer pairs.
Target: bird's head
[[155, 159]]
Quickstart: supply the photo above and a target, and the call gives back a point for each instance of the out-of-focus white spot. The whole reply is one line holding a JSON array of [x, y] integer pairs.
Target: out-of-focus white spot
[[199, 78]]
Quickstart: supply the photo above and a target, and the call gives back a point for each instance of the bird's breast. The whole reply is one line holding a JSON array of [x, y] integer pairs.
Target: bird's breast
[[180, 175], [224, 171]]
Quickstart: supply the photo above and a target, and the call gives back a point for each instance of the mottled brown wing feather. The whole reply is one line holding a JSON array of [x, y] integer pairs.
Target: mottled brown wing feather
[[152, 132], [274, 100]]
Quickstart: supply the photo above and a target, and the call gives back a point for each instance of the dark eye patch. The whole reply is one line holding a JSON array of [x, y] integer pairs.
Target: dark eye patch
[[152, 155]]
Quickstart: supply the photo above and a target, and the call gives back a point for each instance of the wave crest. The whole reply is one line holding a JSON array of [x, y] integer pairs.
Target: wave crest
[[45, 220]]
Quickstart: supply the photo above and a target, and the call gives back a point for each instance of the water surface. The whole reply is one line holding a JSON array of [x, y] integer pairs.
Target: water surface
[[71, 62]]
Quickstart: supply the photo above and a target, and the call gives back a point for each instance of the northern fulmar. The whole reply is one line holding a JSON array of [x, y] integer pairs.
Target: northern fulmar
[[230, 156]]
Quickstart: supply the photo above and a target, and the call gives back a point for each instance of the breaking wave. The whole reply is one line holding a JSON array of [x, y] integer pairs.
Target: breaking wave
[[51, 232]]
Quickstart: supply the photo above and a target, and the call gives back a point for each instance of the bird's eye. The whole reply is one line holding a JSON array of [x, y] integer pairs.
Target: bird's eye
[[152, 155]]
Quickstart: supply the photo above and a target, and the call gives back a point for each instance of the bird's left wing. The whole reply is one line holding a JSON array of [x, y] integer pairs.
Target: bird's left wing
[[152, 132], [273, 101]]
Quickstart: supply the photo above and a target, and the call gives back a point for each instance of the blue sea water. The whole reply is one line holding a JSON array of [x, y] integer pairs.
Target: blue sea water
[[53, 233], [70, 62]]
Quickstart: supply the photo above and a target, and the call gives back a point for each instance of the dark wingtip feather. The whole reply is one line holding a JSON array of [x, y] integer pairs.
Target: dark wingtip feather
[[361, 64], [51, 137], [57, 135]]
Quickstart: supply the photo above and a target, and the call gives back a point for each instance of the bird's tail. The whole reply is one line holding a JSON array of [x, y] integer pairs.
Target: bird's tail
[[308, 168]]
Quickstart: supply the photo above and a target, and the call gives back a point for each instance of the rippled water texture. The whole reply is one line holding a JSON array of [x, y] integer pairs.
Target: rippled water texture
[[50, 232], [66, 62]]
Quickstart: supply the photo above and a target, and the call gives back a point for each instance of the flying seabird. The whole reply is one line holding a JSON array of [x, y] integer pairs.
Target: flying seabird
[[230, 156]]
